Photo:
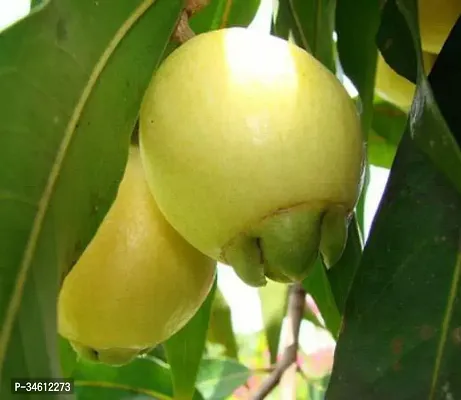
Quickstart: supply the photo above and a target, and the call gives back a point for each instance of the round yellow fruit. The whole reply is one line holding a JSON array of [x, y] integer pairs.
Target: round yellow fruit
[[394, 87], [253, 151], [138, 281], [436, 19]]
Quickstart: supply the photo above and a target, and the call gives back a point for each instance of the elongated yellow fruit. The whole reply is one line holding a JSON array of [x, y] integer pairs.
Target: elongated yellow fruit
[[136, 284], [254, 153], [436, 19], [395, 88]]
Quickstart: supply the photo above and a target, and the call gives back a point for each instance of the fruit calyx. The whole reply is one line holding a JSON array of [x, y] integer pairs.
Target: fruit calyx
[[284, 245]]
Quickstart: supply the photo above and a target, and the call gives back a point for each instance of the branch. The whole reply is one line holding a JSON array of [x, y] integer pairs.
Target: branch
[[295, 315]]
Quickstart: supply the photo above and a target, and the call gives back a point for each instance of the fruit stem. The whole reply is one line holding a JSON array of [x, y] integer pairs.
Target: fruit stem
[[183, 32]]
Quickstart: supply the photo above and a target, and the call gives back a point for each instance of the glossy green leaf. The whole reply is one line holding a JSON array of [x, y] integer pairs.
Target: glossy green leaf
[[311, 24], [184, 350], [220, 330], [318, 286], [72, 76], [146, 377], [218, 379], [387, 130], [357, 22], [342, 274], [403, 315], [274, 297], [224, 13]]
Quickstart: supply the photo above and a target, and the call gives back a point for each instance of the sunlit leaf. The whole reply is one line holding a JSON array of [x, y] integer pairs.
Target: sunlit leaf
[[72, 76]]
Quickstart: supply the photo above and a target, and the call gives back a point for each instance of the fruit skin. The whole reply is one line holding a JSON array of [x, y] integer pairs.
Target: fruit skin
[[436, 19], [239, 126], [137, 282], [394, 87]]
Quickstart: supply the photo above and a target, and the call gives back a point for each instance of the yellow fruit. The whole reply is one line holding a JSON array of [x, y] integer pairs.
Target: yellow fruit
[[436, 19], [137, 282], [394, 87], [253, 151]]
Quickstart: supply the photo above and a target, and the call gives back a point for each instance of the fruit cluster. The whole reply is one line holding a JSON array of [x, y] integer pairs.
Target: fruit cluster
[[251, 154]]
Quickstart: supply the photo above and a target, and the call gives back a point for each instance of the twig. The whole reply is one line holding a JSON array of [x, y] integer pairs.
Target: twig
[[295, 315]]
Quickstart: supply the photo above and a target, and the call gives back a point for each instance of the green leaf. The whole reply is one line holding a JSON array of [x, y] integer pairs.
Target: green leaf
[[399, 42], [311, 23], [387, 129], [274, 297], [184, 350], [220, 329], [342, 274], [72, 76], [330, 289], [145, 377], [68, 357], [223, 14], [218, 379], [318, 286], [402, 323], [357, 23]]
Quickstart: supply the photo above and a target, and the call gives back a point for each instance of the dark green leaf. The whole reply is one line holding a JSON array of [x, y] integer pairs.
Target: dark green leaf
[[218, 379], [143, 378], [185, 349], [403, 315], [395, 39], [273, 306], [357, 22], [220, 329], [311, 22], [72, 76]]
